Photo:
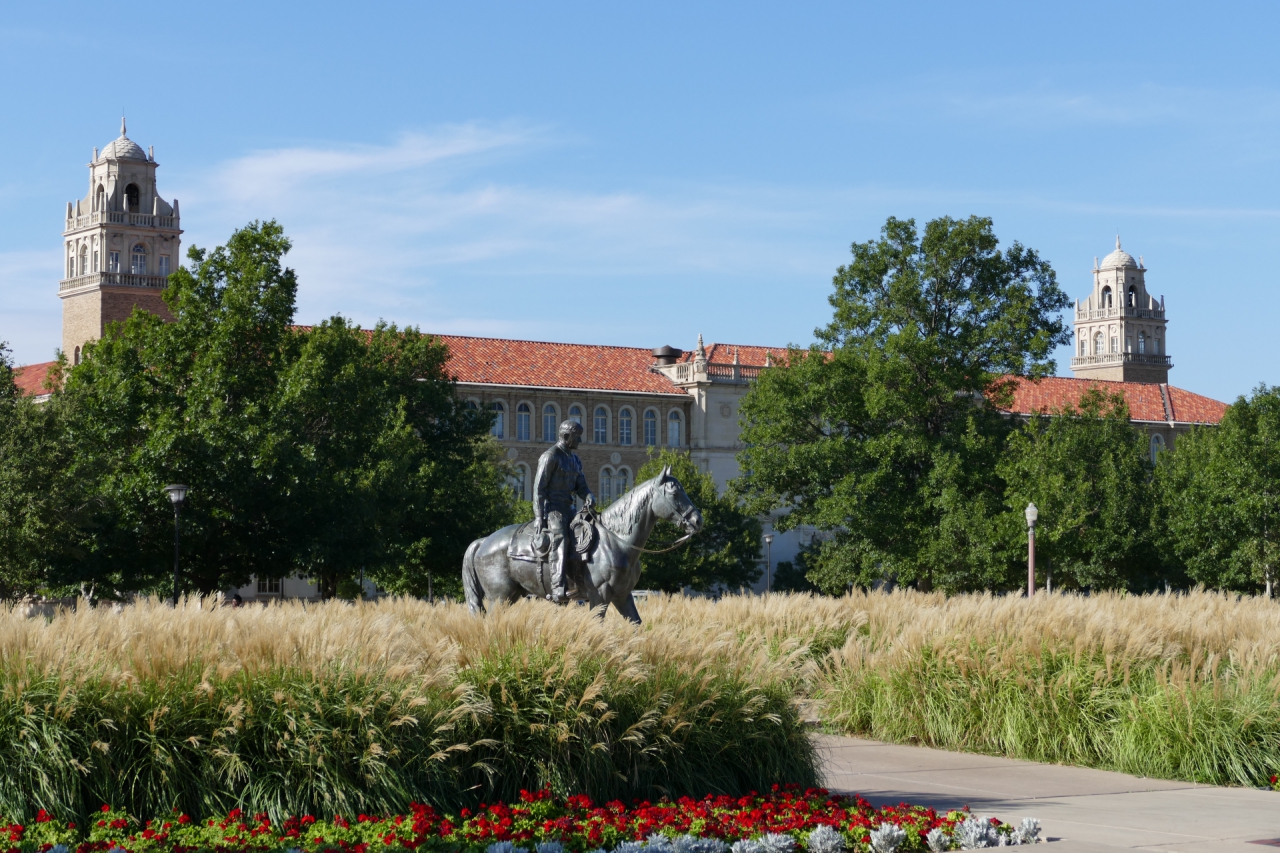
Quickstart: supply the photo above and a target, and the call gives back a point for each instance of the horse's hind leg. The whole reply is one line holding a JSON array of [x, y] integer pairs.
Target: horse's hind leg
[[471, 579]]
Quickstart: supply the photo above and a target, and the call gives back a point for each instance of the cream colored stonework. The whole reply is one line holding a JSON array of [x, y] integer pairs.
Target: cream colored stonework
[[1120, 328]]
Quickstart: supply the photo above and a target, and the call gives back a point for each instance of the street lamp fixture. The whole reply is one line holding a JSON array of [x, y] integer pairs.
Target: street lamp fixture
[[177, 494], [768, 564], [1032, 514]]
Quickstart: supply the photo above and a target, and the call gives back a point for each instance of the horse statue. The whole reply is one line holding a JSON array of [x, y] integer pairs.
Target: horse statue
[[505, 566]]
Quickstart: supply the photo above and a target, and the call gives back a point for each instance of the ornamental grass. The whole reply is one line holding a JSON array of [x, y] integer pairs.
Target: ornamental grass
[[348, 708]]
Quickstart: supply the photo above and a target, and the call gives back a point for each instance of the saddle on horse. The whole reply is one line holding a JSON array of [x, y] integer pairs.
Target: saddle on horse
[[582, 531]]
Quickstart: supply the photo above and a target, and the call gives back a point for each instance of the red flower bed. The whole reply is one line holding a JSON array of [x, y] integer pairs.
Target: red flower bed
[[575, 822]]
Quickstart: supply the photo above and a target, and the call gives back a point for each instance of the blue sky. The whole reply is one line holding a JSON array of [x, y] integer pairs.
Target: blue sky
[[594, 173]]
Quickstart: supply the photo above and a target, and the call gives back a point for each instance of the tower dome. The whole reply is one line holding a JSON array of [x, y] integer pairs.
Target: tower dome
[[123, 148], [1119, 258]]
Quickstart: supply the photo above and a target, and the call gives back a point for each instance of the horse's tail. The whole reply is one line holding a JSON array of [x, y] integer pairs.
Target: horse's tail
[[471, 580]]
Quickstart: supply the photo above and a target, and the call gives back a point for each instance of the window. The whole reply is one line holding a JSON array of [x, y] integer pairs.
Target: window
[[1142, 343], [575, 414], [268, 586], [95, 260], [606, 484], [601, 431], [71, 262], [650, 428], [1106, 297], [131, 198], [674, 432], [1097, 344], [138, 260], [523, 415], [1157, 343], [621, 482], [76, 358], [113, 262], [84, 260], [1082, 346], [624, 427], [99, 199], [1115, 344], [518, 481], [1133, 298], [1157, 445], [472, 406], [499, 418], [163, 269], [548, 422]]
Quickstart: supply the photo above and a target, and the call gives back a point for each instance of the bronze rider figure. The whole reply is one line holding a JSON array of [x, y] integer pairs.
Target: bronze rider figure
[[559, 478]]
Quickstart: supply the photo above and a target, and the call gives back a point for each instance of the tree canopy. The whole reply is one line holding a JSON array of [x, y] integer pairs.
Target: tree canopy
[[886, 431], [1220, 496], [319, 451]]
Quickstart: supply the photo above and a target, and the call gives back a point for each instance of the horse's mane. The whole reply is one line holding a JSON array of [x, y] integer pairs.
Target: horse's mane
[[622, 516]]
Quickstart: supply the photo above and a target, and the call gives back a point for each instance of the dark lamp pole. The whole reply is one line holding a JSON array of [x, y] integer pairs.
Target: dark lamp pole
[[1032, 514], [177, 494], [768, 573]]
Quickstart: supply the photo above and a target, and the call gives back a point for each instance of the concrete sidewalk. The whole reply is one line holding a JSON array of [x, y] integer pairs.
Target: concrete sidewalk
[[1089, 811]]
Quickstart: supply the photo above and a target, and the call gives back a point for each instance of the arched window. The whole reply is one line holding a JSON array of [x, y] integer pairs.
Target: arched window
[[472, 406], [1106, 297], [100, 199], [1157, 445], [1133, 298], [523, 415], [76, 358], [606, 484], [650, 428], [518, 481], [499, 418], [549, 422], [601, 424], [138, 260], [1097, 344], [624, 427], [674, 432], [1142, 343], [575, 414], [621, 482], [84, 260], [131, 198]]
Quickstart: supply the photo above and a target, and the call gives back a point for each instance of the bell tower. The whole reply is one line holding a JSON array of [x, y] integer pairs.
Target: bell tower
[[121, 242], [1120, 328]]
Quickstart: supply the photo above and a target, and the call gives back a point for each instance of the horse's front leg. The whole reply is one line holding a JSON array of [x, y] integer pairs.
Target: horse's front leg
[[627, 607]]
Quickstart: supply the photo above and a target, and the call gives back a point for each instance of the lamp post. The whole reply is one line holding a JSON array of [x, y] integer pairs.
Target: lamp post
[[768, 563], [1032, 514], [177, 494]]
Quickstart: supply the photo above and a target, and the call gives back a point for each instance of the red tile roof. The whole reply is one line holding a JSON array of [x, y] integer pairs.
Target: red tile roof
[[1146, 402], [498, 361], [30, 379], [750, 356]]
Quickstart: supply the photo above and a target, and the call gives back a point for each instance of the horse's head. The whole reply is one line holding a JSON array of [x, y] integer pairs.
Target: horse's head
[[673, 505]]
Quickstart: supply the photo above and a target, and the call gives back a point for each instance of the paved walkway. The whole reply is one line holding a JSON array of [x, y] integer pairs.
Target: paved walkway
[[1088, 811]]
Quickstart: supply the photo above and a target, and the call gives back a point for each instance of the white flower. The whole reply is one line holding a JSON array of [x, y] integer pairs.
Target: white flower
[[1028, 832], [976, 833], [824, 839], [777, 843], [887, 838], [938, 841]]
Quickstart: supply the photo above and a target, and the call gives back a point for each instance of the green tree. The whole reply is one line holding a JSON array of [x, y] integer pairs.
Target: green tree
[[1087, 471], [320, 451], [1219, 490], [724, 554], [886, 433], [37, 500]]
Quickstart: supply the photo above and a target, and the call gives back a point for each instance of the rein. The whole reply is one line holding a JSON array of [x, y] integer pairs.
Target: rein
[[595, 516]]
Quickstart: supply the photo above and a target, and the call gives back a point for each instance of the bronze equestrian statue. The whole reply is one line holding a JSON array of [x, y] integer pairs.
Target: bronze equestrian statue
[[559, 556]]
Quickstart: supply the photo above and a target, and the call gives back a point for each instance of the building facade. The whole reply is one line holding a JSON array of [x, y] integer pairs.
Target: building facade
[[121, 241], [1119, 327]]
